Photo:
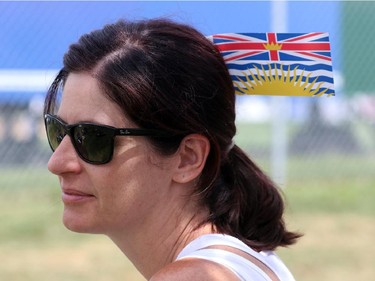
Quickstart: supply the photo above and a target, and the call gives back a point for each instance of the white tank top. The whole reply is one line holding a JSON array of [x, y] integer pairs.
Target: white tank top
[[242, 267]]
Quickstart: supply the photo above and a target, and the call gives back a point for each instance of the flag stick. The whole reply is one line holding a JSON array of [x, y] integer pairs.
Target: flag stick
[[280, 106]]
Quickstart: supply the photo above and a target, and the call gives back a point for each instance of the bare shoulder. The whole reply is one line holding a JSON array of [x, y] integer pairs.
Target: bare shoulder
[[194, 269]]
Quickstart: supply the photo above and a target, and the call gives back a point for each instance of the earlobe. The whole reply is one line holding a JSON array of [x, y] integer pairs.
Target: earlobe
[[192, 155]]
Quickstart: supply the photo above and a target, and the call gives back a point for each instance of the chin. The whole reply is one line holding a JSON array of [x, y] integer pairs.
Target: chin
[[79, 223]]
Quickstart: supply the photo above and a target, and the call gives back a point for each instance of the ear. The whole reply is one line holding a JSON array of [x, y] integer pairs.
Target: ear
[[192, 155]]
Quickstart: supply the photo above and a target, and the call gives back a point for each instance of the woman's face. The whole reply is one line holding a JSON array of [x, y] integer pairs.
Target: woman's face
[[115, 196]]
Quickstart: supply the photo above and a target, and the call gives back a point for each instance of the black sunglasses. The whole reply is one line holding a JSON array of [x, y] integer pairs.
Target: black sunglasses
[[93, 143]]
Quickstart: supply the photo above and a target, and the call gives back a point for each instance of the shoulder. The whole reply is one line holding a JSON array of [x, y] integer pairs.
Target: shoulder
[[194, 269]]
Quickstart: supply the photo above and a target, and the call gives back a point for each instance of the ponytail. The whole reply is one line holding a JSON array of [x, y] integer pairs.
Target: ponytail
[[245, 203]]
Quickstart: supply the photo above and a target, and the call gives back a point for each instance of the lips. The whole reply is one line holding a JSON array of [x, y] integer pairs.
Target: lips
[[73, 196]]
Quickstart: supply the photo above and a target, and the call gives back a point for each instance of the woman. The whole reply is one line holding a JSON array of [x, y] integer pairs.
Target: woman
[[149, 109]]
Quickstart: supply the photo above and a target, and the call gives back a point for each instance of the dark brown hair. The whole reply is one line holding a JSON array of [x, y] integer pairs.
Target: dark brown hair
[[168, 76]]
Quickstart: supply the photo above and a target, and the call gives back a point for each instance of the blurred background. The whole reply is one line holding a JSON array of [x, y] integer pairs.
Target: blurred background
[[321, 151]]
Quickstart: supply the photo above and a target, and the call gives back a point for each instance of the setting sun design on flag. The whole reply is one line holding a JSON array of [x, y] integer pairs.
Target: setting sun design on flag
[[285, 64]]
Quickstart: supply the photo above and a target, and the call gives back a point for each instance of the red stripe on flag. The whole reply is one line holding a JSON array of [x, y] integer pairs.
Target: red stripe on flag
[[271, 38], [274, 54], [305, 46]]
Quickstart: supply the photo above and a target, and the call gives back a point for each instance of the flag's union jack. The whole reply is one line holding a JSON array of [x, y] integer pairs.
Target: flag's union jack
[[303, 59]]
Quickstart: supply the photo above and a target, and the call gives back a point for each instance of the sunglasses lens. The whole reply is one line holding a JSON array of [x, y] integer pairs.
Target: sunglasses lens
[[55, 132], [93, 143]]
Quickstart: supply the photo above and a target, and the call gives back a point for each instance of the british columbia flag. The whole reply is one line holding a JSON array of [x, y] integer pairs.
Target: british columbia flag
[[271, 63]]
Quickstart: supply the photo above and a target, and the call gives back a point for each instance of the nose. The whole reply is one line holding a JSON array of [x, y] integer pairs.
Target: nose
[[64, 159]]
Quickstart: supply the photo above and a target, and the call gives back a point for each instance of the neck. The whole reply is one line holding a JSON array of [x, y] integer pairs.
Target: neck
[[158, 240]]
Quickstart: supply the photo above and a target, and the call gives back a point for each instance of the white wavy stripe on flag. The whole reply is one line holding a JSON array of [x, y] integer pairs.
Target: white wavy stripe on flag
[[298, 72]]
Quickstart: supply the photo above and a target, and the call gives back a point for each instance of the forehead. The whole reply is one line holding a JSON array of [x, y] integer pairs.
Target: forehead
[[84, 100]]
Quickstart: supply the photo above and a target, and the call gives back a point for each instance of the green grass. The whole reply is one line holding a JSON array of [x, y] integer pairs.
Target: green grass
[[332, 184]]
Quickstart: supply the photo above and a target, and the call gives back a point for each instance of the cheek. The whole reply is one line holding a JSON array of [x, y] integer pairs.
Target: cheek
[[130, 187], [126, 191]]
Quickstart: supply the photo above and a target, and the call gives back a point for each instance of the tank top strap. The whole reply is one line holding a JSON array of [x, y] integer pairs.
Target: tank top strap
[[208, 240], [240, 266], [204, 247]]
